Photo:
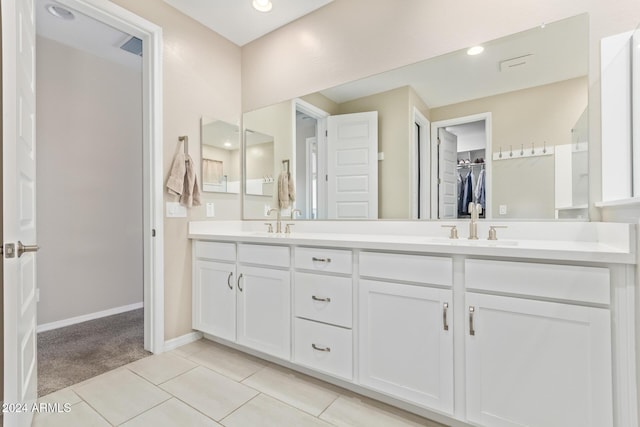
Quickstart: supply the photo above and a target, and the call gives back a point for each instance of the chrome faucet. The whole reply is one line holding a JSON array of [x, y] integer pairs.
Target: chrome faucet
[[475, 210], [278, 219]]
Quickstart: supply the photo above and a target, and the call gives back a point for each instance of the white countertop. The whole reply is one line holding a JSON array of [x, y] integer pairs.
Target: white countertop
[[616, 246]]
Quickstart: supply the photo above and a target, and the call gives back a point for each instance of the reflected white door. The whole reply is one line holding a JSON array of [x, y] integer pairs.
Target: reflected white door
[[447, 174], [19, 193], [352, 169]]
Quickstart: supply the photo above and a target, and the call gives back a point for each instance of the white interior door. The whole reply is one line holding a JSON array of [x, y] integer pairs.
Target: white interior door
[[447, 179], [19, 222], [352, 169]]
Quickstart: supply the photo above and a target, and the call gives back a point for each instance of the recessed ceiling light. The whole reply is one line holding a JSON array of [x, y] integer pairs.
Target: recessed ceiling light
[[476, 50], [60, 12], [262, 5], [227, 144]]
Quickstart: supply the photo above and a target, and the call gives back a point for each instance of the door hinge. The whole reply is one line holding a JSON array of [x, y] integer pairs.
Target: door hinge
[[326, 178], [439, 181], [438, 140], [153, 232], [326, 133]]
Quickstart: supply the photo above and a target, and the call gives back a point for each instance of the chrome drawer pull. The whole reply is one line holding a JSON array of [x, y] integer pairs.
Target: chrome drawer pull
[[315, 347], [238, 283], [327, 260], [445, 306], [315, 298], [472, 310], [229, 281]]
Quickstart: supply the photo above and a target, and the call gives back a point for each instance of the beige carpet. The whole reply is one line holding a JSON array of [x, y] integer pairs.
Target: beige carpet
[[72, 354]]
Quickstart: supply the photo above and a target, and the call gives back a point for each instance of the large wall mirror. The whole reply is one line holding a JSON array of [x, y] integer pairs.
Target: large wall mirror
[[220, 150], [505, 128]]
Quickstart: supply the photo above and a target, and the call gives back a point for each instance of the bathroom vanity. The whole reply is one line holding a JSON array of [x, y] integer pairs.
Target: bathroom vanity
[[534, 329]]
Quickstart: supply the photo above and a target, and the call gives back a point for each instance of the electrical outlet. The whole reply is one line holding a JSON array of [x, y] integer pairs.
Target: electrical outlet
[[503, 209], [211, 211]]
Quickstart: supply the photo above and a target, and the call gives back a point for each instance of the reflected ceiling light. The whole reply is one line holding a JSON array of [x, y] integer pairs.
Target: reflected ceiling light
[[60, 12], [476, 50], [227, 144], [262, 5]]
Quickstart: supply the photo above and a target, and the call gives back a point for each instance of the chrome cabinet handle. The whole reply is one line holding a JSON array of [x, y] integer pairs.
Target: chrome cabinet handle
[[472, 310], [229, 280], [315, 298], [445, 307], [327, 260], [26, 248], [315, 347], [238, 283]]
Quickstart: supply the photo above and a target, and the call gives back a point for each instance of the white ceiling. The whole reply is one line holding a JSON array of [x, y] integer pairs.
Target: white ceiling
[[559, 52], [238, 21], [85, 34]]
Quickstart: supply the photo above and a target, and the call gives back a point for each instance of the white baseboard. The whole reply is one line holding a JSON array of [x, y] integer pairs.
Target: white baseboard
[[91, 316], [182, 340]]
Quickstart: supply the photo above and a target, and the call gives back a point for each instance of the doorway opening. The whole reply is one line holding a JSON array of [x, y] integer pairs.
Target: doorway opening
[[100, 290], [461, 166], [310, 166]]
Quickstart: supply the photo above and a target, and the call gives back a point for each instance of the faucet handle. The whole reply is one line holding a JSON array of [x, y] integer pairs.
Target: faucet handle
[[287, 229], [269, 227], [293, 213], [492, 231], [454, 231]]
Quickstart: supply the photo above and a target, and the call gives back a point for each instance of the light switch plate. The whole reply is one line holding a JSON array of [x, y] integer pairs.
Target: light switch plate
[[381, 155], [211, 211], [503, 209], [176, 210]]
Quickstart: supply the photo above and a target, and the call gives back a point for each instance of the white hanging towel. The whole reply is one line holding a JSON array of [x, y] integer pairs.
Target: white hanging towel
[[286, 190], [183, 181]]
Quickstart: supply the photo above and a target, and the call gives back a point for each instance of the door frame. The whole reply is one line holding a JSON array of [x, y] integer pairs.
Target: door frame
[[152, 155], [321, 134], [434, 157], [424, 138]]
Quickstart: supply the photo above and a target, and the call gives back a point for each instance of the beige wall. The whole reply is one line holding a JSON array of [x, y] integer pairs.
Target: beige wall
[[201, 78], [89, 127], [519, 183]]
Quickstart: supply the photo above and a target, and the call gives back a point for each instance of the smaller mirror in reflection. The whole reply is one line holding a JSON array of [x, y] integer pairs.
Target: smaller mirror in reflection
[[259, 164], [220, 156]]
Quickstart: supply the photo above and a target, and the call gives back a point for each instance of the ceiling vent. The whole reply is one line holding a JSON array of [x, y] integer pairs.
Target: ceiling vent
[[515, 63], [133, 45]]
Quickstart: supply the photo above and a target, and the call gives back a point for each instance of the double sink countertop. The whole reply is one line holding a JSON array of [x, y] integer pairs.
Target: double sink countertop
[[554, 240]]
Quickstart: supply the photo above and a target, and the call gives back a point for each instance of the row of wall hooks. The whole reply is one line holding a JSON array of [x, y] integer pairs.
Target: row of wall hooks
[[523, 151]]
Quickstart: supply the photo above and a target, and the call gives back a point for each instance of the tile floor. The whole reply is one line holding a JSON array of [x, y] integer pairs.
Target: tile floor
[[206, 384]]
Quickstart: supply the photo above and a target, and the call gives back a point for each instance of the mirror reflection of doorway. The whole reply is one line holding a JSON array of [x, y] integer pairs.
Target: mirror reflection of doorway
[[462, 172]]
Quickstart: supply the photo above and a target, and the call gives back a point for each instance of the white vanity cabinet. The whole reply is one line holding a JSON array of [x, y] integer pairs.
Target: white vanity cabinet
[[406, 329], [214, 295], [264, 299], [537, 362]]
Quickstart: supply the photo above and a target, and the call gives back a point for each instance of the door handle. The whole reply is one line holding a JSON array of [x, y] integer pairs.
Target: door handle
[[26, 248], [445, 307], [229, 280], [326, 349], [315, 298], [472, 310], [238, 283]]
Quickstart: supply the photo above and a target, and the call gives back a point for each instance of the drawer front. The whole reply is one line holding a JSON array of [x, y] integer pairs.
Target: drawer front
[[327, 299], [325, 348], [568, 282], [412, 268], [277, 256], [215, 250], [326, 260]]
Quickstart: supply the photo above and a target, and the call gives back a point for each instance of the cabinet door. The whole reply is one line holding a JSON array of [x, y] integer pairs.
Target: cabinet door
[[264, 310], [214, 299], [536, 363], [406, 342]]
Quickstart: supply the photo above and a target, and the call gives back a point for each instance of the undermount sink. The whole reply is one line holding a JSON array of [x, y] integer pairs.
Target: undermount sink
[[466, 242]]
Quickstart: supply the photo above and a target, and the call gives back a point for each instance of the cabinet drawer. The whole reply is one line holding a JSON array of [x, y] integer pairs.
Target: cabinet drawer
[[324, 298], [568, 282], [412, 268], [277, 256], [215, 250], [323, 347], [327, 260]]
